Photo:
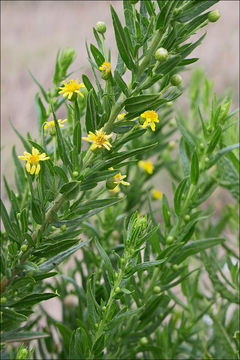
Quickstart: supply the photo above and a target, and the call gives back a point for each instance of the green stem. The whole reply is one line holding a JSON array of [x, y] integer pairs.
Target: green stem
[[103, 44]]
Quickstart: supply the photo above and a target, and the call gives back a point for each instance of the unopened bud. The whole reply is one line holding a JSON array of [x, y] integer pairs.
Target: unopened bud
[[63, 228], [111, 183], [214, 15], [169, 239], [175, 267], [3, 300], [101, 27], [144, 341], [75, 174], [161, 54], [104, 308], [118, 289], [171, 145], [53, 228], [169, 103], [186, 218], [156, 289], [134, 1], [24, 248], [176, 80], [172, 123]]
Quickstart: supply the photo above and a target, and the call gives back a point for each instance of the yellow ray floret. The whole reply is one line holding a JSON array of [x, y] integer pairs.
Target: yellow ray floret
[[156, 194], [71, 87], [151, 117], [115, 190], [146, 165], [32, 165], [99, 139], [51, 124], [118, 179], [105, 67], [121, 116]]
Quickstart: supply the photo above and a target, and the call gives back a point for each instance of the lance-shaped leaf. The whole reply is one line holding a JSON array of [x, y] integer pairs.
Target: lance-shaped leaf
[[32, 299], [144, 266], [98, 56], [194, 168], [178, 195], [106, 260], [91, 114], [121, 40]]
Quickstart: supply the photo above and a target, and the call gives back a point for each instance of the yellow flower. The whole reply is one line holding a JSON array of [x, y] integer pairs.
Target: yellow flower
[[99, 139], [105, 67], [146, 165], [151, 117], [118, 179], [156, 194], [70, 88], [33, 159], [51, 124], [121, 116]]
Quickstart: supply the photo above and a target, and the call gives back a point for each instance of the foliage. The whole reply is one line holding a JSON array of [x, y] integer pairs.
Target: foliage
[[163, 285]]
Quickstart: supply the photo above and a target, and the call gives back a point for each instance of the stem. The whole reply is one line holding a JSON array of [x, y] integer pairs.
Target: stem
[[103, 43], [152, 48]]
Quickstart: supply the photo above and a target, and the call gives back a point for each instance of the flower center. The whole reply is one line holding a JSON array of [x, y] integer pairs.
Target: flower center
[[72, 87], [100, 139], [34, 159]]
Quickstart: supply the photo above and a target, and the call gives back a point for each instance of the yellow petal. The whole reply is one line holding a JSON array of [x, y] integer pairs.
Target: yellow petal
[[28, 167], [37, 169], [33, 170]]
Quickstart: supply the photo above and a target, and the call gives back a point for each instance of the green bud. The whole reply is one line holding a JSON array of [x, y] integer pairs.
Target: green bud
[[96, 325], [75, 174], [15, 293], [214, 15], [3, 300], [161, 54], [63, 228], [207, 159], [169, 103], [176, 80], [171, 145], [101, 27], [97, 282], [144, 341], [201, 147], [141, 120], [175, 267], [24, 248], [18, 216], [118, 289], [53, 228], [183, 196], [172, 123], [134, 1], [169, 239], [141, 222], [105, 76], [17, 196], [156, 289], [186, 218], [66, 59], [104, 308]]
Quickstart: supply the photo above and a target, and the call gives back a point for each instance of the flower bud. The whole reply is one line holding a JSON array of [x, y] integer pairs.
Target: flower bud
[[70, 300], [169, 103], [66, 59], [134, 1], [101, 27], [144, 341], [201, 146], [169, 239], [63, 228], [104, 308], [156, 289], [207, 159], [18, 216], [141, 120], [214, 15], [176, 80], [171, 145], [75, 174], [172, 123], [111, 184], [175, 267], [186, 218], [118, 289], [53, 228], [24, 248], [3, 300], [161, 54], [105, 75]]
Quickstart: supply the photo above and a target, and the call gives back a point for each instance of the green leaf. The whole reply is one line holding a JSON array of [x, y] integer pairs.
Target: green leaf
[[56, 260], [123, 86], [98, 56], [7, 222], [92, 306], [91, 120], [178, 195], [216, 137], [99, 344], [33, 299], [24, 336], [166, 211], [183, 157], [40, 87], [193, 247], [121, 40], [194, 168], [47, 250], [106, 261], [144, 266], [193, 9], [65, 332], [60, 172], [70, 189], [77, 137], [37, 212], [186, 135]]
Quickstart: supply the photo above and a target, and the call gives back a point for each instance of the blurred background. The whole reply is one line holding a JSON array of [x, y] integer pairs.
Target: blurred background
[[33, 31]]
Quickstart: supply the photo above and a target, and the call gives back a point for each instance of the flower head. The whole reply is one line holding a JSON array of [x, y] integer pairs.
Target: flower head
[[99, 139], [115, 190], [70, 88], [118, 179], [156, 194], [151, 117], [51, 125], [105, 67], [146, 165], [32, 165]]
